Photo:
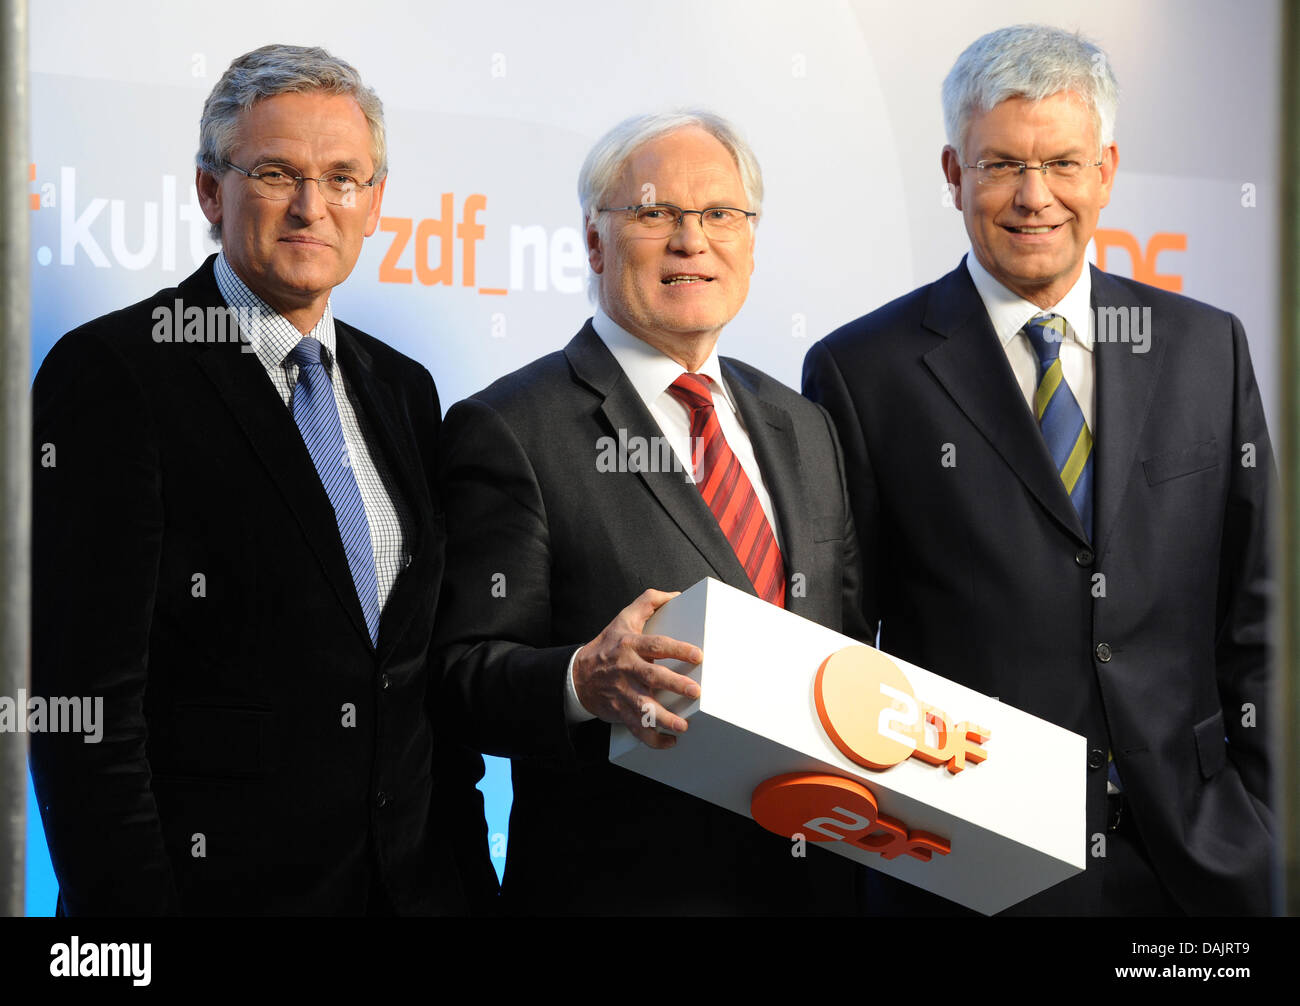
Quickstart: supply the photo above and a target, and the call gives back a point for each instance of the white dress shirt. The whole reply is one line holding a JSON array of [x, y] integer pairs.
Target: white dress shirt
[[651, 374], [1010, 312], [273, 337]]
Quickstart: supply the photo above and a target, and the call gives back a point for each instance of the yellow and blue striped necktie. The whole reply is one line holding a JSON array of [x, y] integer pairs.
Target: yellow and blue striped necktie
[[1069, 440]]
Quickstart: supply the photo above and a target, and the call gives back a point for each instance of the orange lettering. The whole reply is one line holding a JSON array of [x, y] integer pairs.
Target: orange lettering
[[441, 229], [1144, 265], [388, 271], [1122, 239], [1157, 244], [470, 230]]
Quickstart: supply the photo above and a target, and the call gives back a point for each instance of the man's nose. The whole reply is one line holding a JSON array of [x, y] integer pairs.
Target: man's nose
[[308, 204], [1032, 190], [689, 237]]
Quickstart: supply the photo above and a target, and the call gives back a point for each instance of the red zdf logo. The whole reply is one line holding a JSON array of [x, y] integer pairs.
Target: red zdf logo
[[868, 709]]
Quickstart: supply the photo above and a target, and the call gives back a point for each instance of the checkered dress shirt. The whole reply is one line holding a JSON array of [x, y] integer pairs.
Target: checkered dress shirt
[[273, 337]]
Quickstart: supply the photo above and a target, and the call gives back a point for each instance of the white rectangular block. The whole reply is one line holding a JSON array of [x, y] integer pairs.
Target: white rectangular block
[[1014, 822]]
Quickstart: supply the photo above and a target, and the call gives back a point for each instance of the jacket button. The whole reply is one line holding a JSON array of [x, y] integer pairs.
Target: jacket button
[[385, 682], [1084, 557], [1096, 758], [1103, 652], [381, 799], [406, 564]]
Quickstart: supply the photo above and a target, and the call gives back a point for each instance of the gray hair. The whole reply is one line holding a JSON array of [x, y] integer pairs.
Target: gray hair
[[604, 164], [281, 69], [1030, 61]]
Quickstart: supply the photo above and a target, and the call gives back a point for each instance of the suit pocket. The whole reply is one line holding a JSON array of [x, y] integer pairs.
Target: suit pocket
[[213, 742], [826, 528], [1211, 745], [1184, 461]]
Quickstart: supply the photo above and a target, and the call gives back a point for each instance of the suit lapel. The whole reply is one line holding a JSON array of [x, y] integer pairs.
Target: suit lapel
[[242, 383], [375, 399], [594, 365], [972, 367], [771, 433], [1125, 383]]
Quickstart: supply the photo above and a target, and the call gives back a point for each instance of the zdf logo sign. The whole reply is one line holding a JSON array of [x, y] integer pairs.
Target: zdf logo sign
[[830, 808], [868, 709]]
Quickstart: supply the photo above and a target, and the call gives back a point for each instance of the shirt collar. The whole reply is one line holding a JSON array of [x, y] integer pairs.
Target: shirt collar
[[272, 335], [1009, 312], [650, 371]]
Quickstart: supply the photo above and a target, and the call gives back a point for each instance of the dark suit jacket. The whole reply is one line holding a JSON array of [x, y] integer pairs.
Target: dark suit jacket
[[981, 571], [567, 547], [226, 700]]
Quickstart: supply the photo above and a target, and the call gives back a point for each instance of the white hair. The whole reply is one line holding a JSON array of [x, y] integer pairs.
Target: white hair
[[1030, 61], [603, 167], [281, 69]]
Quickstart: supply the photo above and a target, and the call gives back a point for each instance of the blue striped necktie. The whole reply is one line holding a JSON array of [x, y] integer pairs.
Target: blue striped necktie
[[1069, 440], [317, 416]]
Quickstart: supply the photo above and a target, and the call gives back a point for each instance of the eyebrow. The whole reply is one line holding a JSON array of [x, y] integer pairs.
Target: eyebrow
[[1069, 154], [347, 163]]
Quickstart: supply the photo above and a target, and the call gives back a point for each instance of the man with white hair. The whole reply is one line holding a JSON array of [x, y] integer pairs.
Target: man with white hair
[[237, 548], [1061, 482], [726, 473]]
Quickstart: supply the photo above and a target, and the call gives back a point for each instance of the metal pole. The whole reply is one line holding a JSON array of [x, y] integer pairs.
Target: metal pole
[[1287, 709], [15, 444]]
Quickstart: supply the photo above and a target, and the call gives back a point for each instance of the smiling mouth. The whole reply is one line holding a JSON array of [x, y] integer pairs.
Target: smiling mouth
[[1041, 229], [680, 279]]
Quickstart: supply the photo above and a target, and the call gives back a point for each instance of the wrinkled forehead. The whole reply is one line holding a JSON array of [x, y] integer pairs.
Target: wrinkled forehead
[[319, 124], [686, 162]]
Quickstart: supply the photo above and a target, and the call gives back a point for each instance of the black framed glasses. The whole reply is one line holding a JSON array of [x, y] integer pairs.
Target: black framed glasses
[[658, 220], [1005, 172], [281, 181]]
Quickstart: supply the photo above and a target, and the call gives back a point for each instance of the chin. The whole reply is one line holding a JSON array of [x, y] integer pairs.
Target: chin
[[308, 281], [693, 326]]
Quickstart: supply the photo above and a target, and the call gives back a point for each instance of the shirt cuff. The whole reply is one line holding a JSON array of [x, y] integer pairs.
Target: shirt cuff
[[574, 710]]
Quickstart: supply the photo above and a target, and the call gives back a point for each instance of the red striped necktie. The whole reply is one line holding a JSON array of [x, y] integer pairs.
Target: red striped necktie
[[728, 493]]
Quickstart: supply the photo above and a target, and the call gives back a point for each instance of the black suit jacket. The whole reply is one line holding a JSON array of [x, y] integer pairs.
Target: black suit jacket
[[980, 571], [259, 756], [543, 551]]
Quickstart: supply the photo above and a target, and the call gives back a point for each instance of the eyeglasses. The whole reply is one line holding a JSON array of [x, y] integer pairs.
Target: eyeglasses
[[1009, 172], [280, 181], [658, 220]]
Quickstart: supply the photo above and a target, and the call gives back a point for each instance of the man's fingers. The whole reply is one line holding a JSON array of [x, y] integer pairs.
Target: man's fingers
[[657, 678], [667, 648], [650, 715], [654, 739], [645, 605]]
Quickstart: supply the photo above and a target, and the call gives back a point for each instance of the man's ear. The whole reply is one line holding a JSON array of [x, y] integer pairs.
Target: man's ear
[[951, 162], [595, 249], [209, 188], [1109, 162], [376, 197]]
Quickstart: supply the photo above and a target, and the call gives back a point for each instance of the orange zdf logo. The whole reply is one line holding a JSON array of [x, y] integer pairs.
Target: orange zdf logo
[[869, 711], [830, 808]]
